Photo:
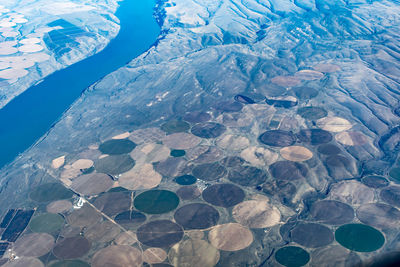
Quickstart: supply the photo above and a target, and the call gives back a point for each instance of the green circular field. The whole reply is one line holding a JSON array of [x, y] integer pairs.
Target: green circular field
[[359, 237], [156, 201], [292, 256]]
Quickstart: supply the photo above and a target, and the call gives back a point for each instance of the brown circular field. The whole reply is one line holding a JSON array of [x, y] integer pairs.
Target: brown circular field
[[256, 214], [92, 184], [72, 248], [188, 192], [102, 232], [247, 175], [117, 256], [82, 164], [34, 245], [312, 235], [140, 177], [160, 234], [130, 219], [209, 171], [196, 216], [296, 153], [230, 237], [59, 206], [181, 141], [193, 253], [288, 170], [223, 195], [112, 203], [154, 255], [84, 216], [332, 212]]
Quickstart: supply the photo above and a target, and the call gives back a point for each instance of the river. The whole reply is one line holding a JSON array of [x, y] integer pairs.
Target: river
[[31, 114]]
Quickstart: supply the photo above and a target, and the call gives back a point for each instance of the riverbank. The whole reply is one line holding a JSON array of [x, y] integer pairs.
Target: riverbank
[[31, 114], [29, 30]]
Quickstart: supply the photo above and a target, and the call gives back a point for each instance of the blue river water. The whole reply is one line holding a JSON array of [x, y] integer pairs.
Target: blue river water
[[30, 115]]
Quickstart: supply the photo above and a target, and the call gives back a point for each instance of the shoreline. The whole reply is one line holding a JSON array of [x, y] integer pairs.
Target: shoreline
[[21, 113], [103, 27]]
